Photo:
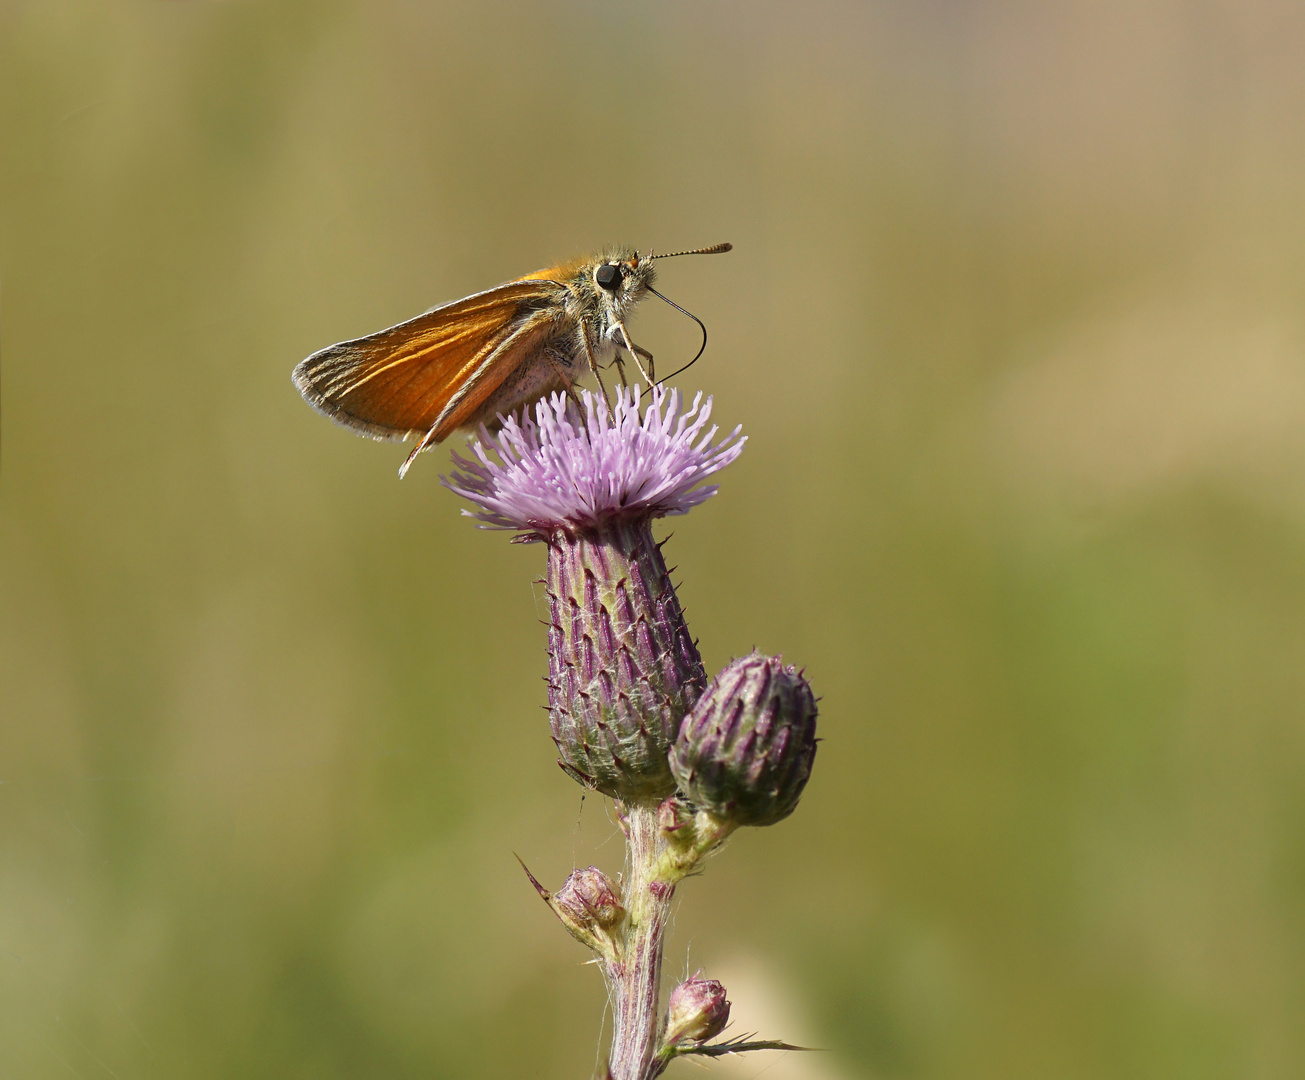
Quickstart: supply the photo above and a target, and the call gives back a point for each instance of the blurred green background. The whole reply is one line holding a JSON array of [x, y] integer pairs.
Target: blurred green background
[[1016, 325]]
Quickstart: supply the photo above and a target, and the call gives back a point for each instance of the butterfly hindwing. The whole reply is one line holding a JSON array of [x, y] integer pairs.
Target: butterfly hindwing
[[397, 382]]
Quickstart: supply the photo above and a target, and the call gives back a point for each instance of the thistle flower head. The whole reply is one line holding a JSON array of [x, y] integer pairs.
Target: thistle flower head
[[588, 479], [585, 466]]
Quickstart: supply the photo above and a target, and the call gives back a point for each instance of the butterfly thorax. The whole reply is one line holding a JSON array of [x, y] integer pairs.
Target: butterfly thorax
[[603, 290]]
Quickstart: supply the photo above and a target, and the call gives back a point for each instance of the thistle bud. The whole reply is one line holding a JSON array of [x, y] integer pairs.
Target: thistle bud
[[589, 906], [673, 815], [697, 1012], [744, 752], [588, 901]]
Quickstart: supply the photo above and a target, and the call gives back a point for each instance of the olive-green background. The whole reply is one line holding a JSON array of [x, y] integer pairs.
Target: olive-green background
[[1015, 325]]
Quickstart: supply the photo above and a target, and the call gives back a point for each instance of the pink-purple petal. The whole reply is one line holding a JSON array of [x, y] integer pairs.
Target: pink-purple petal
[[577, 467]]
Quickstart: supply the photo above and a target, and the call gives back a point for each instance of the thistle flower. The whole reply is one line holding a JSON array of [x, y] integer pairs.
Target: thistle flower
[[625, 680], [745, 752], [584, 467], [588, 481]]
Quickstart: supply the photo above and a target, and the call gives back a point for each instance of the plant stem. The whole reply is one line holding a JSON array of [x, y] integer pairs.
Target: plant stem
[[635, 977]]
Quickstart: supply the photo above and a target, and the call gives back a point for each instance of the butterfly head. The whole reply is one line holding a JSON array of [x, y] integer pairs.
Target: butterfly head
[[619, 280]]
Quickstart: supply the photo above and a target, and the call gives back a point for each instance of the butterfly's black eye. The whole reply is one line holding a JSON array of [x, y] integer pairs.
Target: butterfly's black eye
[[608, 276]]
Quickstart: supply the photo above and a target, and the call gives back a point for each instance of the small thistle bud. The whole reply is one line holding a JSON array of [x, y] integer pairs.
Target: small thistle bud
[[673, 814], [588, 900], [744, 752], [697, 1012], [589, 906]]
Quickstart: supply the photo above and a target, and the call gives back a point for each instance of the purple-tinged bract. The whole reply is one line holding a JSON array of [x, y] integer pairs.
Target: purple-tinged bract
[[623, 669]]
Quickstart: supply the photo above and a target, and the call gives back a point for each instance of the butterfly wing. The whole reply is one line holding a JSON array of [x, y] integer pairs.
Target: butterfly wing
[[436, 368]]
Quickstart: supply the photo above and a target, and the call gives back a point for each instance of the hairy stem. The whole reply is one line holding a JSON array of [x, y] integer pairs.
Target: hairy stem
[[635, 977]]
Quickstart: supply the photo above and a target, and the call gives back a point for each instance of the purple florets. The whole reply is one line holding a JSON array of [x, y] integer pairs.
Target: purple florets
[[582, 467]]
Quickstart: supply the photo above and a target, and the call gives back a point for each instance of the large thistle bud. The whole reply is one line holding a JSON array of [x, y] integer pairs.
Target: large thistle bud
[[744, 753]]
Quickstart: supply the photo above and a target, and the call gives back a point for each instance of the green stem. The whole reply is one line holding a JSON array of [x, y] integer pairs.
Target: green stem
[[635, 977]]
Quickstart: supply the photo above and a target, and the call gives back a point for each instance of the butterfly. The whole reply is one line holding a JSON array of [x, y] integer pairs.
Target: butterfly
[[468, 362]]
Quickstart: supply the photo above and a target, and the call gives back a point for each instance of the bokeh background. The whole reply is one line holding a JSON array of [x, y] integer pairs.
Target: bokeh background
[[1016, 325]]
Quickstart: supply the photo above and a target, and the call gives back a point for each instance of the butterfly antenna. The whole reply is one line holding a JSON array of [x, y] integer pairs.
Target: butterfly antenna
[[715, 249], [691, 315]]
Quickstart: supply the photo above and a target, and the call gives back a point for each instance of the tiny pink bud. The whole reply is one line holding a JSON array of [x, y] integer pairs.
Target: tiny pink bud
[[697, 1012], [588, 900], [673, 814]]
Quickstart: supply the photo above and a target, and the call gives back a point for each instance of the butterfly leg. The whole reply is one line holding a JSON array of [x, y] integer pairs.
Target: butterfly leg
[[639, 350], [593, 363], [570, 385], [620, 364], [636, 352], [620, 367]]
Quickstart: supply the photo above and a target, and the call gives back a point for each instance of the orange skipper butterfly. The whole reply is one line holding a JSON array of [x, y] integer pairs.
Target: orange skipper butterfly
[[465, 363]]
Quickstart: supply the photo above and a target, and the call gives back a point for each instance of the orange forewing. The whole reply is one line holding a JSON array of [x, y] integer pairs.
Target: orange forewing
[[395, 383]]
